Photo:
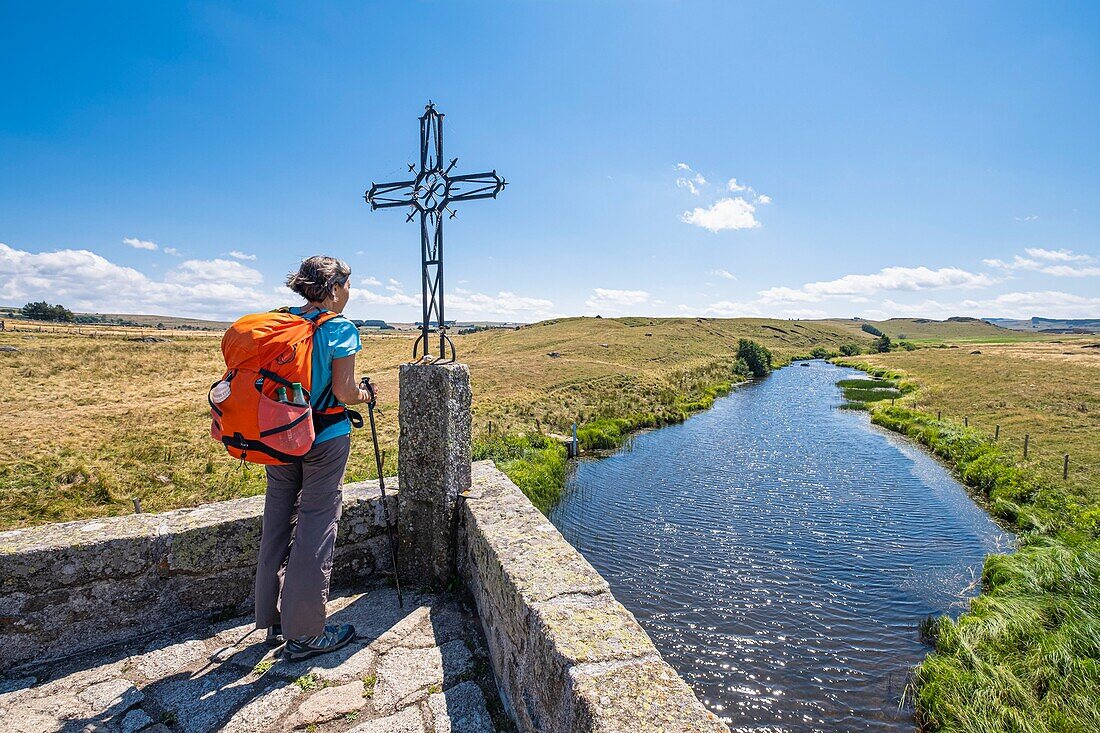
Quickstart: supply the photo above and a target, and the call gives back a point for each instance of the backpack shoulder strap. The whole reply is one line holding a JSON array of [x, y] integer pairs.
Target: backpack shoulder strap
[[325, 317]]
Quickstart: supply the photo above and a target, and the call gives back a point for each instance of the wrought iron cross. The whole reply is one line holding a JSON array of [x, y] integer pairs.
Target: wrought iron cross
[[431, 194]]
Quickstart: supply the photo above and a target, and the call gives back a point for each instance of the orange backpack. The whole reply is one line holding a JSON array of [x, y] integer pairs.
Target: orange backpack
[[265, 351]]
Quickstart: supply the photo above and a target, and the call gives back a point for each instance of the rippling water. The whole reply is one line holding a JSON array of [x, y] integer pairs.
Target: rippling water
[[780, 552]]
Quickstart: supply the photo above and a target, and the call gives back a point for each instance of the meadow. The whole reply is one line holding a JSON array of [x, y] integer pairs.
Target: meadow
[[96, 418]]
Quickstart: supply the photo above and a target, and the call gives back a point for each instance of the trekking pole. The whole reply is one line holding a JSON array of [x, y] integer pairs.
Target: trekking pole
[[378, 460]]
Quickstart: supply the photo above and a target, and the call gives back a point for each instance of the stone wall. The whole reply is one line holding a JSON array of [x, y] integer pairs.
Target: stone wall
[[567, 657], [67, 588]]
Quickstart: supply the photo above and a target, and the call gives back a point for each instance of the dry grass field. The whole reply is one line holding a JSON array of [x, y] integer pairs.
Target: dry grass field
[[1048, 390], [92, 423]]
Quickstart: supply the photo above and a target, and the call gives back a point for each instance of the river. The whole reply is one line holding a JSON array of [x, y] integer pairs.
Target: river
[[781, 552]]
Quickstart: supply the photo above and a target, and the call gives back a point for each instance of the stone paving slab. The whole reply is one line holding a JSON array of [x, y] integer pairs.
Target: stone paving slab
[[418, 669]]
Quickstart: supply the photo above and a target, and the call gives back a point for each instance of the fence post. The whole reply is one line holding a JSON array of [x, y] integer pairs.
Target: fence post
[[966, 422], [939, 414], [1065, 467], [1026, 439], [997, 432]]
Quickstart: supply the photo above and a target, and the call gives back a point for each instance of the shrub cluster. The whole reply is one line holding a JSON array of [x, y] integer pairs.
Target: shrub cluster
[[43, 311], [756, 356]]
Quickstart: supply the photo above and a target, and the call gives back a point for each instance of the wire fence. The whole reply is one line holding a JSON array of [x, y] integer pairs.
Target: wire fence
[[1040, 451]]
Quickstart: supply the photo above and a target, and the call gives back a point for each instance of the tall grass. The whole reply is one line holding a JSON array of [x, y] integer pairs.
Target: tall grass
[[535, 463]]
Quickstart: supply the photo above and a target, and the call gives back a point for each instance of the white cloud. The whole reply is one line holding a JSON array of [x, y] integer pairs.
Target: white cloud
[[1056, 255], [616, 301], [370, 280], [1029, 217], [1050, 303], [803, 313], [683, 167], [372, 298], [734, 186], [213, 271], [85, 281], [688, 184], [171, 251], [139, 243], [763, 199], [504, 305], [726, 274], [1067, 271], [888, 279], [238, 255], [1040, 260], [394, 283], [729, 213], [730, 309]]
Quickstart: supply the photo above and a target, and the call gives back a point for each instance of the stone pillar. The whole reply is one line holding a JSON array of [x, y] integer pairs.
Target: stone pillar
[[434, 467]]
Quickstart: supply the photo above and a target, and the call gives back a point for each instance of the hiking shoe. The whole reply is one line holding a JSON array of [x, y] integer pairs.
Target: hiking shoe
[[275, 635], [305, 647]]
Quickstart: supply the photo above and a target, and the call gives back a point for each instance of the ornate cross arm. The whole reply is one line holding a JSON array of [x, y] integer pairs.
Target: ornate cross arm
[[474, 186], [390, 195]]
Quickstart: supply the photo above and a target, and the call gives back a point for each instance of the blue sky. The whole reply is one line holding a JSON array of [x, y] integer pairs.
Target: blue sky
[[888, 160]]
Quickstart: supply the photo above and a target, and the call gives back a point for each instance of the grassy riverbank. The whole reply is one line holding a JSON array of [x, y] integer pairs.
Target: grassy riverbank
[[1026, 656]]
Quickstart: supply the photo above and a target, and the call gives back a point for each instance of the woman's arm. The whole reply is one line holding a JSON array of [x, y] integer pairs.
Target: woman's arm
[[344, 385]]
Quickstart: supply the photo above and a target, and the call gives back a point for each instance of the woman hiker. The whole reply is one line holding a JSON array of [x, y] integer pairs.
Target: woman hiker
[[304, 499]]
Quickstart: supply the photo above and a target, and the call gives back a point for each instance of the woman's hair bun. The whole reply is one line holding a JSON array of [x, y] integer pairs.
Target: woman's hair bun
[[316, 277]]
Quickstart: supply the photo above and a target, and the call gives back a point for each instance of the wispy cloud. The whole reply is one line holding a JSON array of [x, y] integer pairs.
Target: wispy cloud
[[726, 274], [139, 243], [693, 181], [1029, 217], [372, 298], [608, 300], [505, 305], [171, 251], [238, 255], [1049, 262], [886, 279], [1056, 255]]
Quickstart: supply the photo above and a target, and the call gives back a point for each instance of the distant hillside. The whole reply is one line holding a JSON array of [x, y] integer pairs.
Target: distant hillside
[[927, 329], [131, 319], [1049, 325]]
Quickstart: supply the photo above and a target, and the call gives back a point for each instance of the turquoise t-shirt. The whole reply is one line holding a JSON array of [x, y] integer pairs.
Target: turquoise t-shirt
[[335, 339]]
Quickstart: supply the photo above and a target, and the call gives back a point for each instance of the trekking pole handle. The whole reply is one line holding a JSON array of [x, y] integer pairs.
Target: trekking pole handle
[[364, 383]]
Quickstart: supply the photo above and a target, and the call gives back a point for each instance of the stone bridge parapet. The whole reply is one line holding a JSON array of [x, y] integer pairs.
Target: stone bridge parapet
[[72, 587], [568, 657]]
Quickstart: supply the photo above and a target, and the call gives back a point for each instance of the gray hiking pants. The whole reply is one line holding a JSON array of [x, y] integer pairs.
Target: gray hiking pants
[[300, 513]]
